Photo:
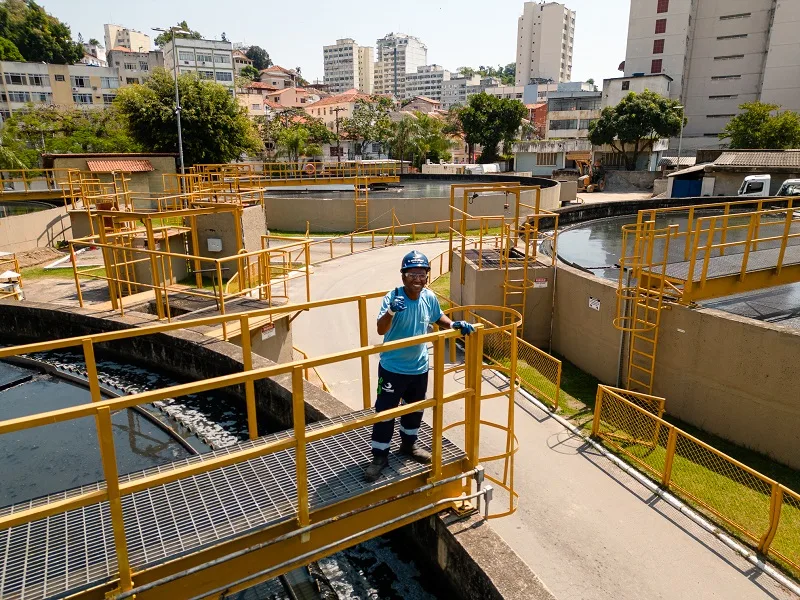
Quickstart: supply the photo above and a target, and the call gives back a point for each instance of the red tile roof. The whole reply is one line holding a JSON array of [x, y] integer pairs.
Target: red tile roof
[[125, 166], [349, 96], [278, 69], [259, 85], [425, 99]]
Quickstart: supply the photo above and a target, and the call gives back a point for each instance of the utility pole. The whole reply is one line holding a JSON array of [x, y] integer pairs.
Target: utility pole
[[174, 31], [337, 110]]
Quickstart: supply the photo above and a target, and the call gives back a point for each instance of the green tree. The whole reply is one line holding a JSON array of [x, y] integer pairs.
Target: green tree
[[215, 127], [259, 56], [635, 124], [94, 42], [9, 50], [431, 142], [488, 121], [38, 36], [294, 133], [166, 36], [762, 125], [402, 137], [370, 122], [466, 72], [249, 72], [39, 129]]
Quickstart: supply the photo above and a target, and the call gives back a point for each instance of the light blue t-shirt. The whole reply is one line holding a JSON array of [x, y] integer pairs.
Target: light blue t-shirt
[[414, 320]]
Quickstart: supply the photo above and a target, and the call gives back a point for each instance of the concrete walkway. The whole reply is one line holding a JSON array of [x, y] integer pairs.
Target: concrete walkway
[[587, 529]]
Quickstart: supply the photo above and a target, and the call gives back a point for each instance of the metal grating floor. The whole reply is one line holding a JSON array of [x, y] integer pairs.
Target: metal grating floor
[[65, 553], [731, 264]]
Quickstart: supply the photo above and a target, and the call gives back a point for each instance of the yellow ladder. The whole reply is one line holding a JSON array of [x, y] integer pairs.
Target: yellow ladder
[[362, 205], [516, 284], [646, 315]]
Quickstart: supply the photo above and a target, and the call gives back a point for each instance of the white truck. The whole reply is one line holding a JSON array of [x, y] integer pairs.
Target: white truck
[[758, 185]]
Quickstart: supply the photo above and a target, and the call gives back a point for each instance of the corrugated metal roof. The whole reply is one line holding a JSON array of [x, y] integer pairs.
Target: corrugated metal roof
[[778, 158], [126, 166]]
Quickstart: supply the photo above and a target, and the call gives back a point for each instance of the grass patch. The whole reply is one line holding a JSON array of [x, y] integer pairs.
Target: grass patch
[[32, 273], [445, 235], [442, 287]]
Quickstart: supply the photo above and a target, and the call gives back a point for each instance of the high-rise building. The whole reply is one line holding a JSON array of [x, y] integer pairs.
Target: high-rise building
[[210, 59], [117, 36], [545, 39], [348, 66], [395, 55], [719, 55], [454, 91], [427, 81]]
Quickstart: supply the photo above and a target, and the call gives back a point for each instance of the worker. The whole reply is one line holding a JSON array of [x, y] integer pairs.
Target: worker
[[406, 311]]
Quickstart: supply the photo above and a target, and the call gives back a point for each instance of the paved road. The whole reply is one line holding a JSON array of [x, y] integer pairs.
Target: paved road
[[585, 527]]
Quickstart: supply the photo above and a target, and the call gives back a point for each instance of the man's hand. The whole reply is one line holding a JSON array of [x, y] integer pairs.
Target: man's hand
[[398, 304], [464, 327]]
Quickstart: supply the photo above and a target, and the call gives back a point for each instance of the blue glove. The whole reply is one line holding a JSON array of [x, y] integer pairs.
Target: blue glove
[[464, 327], [397, 305]]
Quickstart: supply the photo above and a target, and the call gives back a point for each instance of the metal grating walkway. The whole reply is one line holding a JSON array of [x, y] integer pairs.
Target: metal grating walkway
[[68, 552], [731, 264]]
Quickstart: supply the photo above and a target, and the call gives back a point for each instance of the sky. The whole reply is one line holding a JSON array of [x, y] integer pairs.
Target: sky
[[457, 32]]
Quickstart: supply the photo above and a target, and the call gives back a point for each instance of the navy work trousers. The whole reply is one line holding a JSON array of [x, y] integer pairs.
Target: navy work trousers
[[395, 389]]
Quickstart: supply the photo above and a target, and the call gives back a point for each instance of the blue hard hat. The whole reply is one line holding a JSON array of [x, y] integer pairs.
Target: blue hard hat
[[415, 259]]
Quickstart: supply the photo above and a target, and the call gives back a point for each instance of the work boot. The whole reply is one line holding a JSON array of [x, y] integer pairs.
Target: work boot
[[415, 453], [373, 470]]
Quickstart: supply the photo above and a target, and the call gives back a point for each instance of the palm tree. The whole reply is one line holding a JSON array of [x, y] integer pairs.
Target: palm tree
[[403, 135]]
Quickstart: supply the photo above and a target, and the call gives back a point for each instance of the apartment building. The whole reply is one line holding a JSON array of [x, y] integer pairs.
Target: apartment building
[[134, 67], [240, 61], [545, 41], [616, 88], [427, 81], [94, 55], [210, 60], [119, 36], [397, 54], [70, 86], [278, 77], [454, 90], [348, 66], [719, 55], [569, 114]]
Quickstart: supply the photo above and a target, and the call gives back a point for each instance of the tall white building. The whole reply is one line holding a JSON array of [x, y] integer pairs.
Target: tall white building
[[719, 55], [208, 59], [427, 81], [117, 36], [348, 66], [395, 55], [454, 90], [545, 39]]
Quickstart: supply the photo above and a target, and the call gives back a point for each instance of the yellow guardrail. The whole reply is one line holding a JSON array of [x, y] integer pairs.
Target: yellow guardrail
[[10, 263], [759, 509], [115, 488]]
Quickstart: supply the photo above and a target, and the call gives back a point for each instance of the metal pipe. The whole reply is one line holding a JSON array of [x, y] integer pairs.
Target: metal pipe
[[295, 533], [487, 492]]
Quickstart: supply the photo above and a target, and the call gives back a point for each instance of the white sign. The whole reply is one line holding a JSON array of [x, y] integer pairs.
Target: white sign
[[540, 282], [267, 331], [594, 303]]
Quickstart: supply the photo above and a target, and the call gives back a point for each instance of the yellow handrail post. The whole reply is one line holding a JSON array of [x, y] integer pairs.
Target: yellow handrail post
[[598, 407], [672, 442], [108, 455], [249, 385], [75, 273], [307, 251], [364, 340], [775, 505], [298, 414], [151, 244], [221, 299], [438, 409], [91, 370]]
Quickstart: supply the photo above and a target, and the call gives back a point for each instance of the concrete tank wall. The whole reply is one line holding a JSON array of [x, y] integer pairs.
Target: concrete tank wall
[[34, 230]]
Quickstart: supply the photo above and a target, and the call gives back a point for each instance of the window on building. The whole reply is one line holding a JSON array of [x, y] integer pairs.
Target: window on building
[[5, 114], [130, 66], [735, 16], [143, 66], [222, 58], [729, 57], [185, 55], [131, 80], [656, 66], [19, 96], [109, 83], [60, 78], [108, 98], [585, 123], [16, 79], [738, 36], [663, 6], [40, 80], [658, 46], [626, 85], [206, 75], [546, 159], [723, 97], [725, 77], [82, 98], [661, 26], [43, 97], [204, 57], [255, 107], [562, 124], [224, 76]]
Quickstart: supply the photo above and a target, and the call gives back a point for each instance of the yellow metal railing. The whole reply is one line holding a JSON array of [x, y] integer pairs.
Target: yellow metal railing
[[27, 180], [9, 262], [116, 488], [759, 509]]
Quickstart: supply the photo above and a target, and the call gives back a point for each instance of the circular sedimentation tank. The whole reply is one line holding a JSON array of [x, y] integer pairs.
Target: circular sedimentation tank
[[596, 246]]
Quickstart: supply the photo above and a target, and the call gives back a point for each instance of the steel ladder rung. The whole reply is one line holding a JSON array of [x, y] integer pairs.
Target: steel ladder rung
[[641, 383]]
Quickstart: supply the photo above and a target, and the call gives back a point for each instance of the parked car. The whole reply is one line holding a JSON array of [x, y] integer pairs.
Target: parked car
[[790, 187]]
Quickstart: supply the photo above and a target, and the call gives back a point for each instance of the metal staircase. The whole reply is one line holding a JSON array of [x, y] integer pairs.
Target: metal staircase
[[362, 204], [516, 269]]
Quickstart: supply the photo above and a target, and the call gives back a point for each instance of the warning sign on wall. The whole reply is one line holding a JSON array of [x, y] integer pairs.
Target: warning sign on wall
[[540, 282], [594, 303], [267, 331]]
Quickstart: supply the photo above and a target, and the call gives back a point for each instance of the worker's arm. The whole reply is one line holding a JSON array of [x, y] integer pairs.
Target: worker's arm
[[390, 307], [384, 323], [445, 322]]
